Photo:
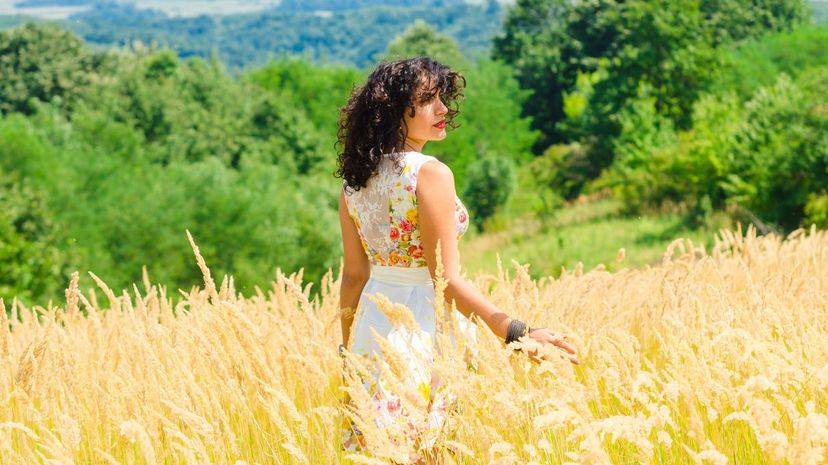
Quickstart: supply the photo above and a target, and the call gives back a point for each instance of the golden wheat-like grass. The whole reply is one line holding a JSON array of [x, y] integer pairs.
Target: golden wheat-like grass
[[712, 357]]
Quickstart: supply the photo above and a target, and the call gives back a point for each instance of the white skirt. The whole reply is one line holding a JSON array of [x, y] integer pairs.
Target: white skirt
[[410, 286], [414, 288]]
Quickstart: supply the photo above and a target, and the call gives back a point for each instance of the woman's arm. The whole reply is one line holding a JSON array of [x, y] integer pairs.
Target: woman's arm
[[435, 200], [356, 269]]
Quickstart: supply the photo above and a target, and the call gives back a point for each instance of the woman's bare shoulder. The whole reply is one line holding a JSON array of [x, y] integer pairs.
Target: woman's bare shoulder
[[435, 171], [437, 180]]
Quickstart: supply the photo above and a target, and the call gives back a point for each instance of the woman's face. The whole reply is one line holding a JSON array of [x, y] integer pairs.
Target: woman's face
[[428, 123]]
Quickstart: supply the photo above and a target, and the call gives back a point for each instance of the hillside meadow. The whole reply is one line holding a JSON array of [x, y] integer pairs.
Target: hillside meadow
[[713, 356]]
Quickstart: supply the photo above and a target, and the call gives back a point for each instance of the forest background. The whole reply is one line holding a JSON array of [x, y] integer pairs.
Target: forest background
[[587, 127]]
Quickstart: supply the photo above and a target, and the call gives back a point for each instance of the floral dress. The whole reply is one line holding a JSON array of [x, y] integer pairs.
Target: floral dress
[[385, 214]]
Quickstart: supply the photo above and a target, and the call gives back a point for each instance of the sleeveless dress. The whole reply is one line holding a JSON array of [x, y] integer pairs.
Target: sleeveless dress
[[385, 213]]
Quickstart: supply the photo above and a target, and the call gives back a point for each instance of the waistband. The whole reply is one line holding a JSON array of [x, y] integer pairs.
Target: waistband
[[401, 275]]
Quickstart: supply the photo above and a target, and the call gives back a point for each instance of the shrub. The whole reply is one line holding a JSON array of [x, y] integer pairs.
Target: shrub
[[491, 180]]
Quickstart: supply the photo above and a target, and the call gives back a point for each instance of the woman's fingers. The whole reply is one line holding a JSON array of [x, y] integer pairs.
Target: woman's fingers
[[563, 345], [571, 358], [559, 340]]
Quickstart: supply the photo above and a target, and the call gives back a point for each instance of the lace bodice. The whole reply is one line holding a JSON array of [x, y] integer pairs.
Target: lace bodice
[[385, 213]]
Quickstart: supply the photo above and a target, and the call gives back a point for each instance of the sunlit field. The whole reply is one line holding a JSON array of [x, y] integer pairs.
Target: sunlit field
[[714, 356]]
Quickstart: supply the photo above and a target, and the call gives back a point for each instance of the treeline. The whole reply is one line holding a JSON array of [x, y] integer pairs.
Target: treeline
[[284, 5], [349, 36], [107, 157], [698, 105]]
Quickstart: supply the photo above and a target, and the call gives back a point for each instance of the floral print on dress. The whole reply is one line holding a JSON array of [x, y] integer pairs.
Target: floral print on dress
[[391, 417], [385, 214]]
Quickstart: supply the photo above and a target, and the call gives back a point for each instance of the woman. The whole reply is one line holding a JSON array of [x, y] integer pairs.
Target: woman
[[395, 206]]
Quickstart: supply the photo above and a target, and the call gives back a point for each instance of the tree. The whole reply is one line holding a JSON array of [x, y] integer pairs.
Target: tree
[[491, 181], [659, 49], [536, 44], [420, 39], [33, 257], [765, 157], [301, 109], [43, 62], [735, 20]]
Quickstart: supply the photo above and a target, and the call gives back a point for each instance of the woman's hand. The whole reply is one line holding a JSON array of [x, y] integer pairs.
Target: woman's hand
[[547, 336]]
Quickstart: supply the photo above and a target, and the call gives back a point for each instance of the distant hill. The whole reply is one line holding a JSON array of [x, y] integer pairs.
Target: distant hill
[[284, 5], [348, 36], [41, 3], [343, 5], [9, 21], [348, 32], [820, 11]]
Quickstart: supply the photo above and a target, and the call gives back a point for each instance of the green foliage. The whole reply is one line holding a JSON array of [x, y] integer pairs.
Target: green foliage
[[763, 158], [758, 63], [318, 89], [350, 36], [43, 62], [734, 20], [666, 49], [303, 104], [491, 180], [420, 39], [767, 156], [781, 157], [339, 5], [536, 43], [816, 210], [534, 196], [193, 110], [122, 211], [564, 168], [33, 253], [662, 45], [246, 222], [146, 143], [657, 49], [643, 150], [158, 145]]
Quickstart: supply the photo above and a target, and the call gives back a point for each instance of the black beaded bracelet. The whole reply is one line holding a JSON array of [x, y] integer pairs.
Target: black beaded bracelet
[[516, 330]]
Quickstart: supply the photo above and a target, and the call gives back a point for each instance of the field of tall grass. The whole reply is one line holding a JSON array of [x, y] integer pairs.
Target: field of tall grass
[[711, 357]]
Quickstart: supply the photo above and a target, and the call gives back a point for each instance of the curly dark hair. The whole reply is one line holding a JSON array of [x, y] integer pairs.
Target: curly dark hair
[[371, 123]]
